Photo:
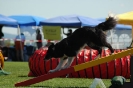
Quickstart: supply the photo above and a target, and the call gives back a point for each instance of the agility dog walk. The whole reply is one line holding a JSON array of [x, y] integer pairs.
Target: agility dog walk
[[75, 68]]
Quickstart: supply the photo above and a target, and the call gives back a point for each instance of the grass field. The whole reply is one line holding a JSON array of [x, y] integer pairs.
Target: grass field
[[19, 71]]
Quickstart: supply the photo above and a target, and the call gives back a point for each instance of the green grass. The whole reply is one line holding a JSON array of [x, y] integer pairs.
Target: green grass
[[20, 70]]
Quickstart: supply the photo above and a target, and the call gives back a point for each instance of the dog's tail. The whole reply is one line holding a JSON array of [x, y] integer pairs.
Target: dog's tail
[[109, 24]]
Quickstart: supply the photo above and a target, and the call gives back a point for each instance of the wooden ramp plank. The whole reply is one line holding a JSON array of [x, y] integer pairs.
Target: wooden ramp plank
[[103, 59]]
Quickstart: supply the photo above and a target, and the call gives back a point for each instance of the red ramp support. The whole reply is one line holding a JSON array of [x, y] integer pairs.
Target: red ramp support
[[75, 68], [45, 77]]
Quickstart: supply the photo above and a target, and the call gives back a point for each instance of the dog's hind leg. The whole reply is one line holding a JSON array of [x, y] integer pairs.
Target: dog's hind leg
[[61, 64], [70, 60], [98, 48]]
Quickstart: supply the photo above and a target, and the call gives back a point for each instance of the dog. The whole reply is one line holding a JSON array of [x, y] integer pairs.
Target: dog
[[69, 47]]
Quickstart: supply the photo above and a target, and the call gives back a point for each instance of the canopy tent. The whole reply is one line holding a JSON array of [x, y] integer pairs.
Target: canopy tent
[[70, 21], [28, 30], [6, 21], [27, 20], [126, 18]]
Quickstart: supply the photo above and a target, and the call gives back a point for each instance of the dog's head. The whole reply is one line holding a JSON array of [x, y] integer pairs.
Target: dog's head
[[50, 52]]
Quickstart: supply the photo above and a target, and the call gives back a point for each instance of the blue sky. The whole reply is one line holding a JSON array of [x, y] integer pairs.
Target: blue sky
[[52, 8]]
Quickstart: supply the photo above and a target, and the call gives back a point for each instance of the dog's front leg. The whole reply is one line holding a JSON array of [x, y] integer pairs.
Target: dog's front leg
[[60, 65], [70, 60], [97, 57], [64, 62]]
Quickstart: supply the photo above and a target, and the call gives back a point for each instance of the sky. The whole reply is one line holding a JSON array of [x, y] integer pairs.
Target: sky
[[53, 8]]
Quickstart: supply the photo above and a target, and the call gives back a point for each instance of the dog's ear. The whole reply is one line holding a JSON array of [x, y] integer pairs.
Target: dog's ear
[[51, 46]]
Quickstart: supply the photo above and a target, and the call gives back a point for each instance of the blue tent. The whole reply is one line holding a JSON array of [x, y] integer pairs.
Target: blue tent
[[70, 21], [118, 26], [27, 20], [6, 21]]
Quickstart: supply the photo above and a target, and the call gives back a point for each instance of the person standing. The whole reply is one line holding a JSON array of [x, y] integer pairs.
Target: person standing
[[39, 39], [19, 46], [1, 36]]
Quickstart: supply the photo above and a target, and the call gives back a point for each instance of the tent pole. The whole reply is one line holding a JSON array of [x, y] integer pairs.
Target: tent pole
[[132, 37], [21, 49]]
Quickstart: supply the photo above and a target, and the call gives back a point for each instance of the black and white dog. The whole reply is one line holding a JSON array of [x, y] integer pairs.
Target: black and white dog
[[69, 47]]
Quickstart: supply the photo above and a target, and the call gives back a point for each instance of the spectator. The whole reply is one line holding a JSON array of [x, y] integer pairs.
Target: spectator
[[69, 32], [1, 36], [39, 38], [19, 46]]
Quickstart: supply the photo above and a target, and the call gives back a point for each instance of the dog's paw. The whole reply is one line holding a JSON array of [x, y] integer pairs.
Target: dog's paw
[[51, 71], [112, 53], [65, 67], [97, 57]]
